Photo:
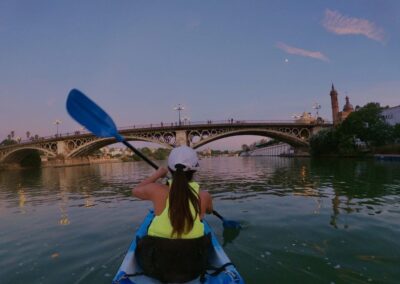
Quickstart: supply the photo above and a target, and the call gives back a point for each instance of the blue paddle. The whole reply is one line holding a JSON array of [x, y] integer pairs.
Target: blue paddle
[[96, 120], [227, 223]]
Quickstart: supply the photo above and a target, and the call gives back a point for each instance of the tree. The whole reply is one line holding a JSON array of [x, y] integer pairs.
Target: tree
[[396, 132], [146, 151], [325, 142], [367, 124], [161, 153], [28, 134], [7, 142]]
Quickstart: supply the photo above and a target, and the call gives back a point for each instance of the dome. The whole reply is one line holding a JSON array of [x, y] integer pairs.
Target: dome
[[348, 107]]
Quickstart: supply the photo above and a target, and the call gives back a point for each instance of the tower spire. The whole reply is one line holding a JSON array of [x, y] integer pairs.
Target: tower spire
[[335, 105]]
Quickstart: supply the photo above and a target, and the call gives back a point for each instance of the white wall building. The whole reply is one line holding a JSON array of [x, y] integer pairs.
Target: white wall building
[[273, 150], [392, 115]]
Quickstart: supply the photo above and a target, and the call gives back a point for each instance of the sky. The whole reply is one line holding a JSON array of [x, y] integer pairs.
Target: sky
[[247, 60]]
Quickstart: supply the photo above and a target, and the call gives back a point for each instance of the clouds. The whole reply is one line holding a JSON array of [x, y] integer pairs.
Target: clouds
[[302, 52], [339, 24], [343, 25]]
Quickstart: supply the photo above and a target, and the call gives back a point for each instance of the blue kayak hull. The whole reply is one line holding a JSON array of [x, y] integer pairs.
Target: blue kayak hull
[[217, 258]]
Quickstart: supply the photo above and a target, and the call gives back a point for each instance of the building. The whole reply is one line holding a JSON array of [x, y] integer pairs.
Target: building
[[392, 115], [339, 116], [278, 149], [306, 117]]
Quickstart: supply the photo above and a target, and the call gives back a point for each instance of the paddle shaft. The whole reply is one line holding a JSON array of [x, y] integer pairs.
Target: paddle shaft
[[218, 215], [95, 119]]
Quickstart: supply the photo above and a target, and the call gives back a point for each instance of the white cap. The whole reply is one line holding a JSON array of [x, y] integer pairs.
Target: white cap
[[183, 155]]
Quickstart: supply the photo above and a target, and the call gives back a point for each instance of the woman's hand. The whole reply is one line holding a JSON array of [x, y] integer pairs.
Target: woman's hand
[[145, 189], [161, 172]]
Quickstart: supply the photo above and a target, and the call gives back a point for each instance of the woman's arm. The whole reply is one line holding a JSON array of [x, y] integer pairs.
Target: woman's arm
[[144, 189], [206, 203]]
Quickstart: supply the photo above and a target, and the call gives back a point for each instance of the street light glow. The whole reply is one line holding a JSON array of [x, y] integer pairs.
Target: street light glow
[[317, 107], [57, 122], [179, 108]]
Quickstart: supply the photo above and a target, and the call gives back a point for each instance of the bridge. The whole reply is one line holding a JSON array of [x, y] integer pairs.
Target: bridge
[[77, 145]]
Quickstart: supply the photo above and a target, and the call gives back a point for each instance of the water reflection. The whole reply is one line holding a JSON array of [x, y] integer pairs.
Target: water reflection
[[91, 207], [21, 200], [365, 186], [352, 186], [229, 235]]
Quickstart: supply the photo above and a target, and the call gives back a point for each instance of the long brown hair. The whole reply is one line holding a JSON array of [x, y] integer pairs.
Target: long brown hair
[[180, 197]]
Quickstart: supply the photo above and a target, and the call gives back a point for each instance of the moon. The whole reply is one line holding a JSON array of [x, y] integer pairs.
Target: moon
[[286, 60]]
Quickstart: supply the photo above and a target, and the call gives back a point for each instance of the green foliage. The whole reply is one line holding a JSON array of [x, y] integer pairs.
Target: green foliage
[[146, 151], [245, 148], [325, 142], [219, 152], [396, 132], [366, 124], [7, 142], [161, 154]]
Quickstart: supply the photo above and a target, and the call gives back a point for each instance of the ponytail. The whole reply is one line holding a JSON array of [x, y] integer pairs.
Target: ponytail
[[181, 195]]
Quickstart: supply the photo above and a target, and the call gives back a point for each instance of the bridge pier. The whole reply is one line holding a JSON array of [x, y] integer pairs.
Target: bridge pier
[[181, 138], [62, 148]]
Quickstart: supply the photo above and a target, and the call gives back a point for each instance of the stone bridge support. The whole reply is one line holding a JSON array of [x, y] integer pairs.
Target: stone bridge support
[[62, 148], [181, 138]]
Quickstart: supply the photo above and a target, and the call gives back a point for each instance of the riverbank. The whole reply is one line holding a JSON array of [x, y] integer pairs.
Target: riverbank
[[387, 157]]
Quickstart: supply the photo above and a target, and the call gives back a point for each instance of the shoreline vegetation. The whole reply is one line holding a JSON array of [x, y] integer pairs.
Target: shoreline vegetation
[[106, 155], [364, 133]]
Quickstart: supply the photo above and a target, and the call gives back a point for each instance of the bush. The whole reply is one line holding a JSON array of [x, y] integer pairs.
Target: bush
[[324, 143], [367, 124]]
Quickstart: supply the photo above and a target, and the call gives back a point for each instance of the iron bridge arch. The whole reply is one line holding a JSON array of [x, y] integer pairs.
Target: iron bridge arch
[[297, 139], [18, 154]]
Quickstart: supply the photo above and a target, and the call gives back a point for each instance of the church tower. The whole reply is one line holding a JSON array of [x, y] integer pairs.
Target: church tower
[[335, 106]]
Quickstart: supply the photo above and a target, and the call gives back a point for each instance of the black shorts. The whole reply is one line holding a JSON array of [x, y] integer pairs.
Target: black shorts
[[173, 260]]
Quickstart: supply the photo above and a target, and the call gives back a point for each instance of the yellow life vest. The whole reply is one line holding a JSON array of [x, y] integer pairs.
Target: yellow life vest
[[161, 225]]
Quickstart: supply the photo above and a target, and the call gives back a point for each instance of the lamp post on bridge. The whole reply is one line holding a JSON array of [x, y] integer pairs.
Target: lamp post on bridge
[[179, 108], [57, 123], [317, 107]]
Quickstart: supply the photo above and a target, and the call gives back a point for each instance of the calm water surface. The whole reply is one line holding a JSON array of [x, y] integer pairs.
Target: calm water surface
[[304, 221]]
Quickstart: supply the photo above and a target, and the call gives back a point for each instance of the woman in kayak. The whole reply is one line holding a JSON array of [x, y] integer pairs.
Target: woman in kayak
[[175, 249]]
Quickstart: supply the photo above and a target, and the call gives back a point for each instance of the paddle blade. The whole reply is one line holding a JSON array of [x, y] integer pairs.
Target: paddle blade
[[90, 115], [229, 224]]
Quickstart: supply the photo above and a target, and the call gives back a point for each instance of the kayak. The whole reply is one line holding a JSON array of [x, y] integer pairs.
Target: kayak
[[223, 270]]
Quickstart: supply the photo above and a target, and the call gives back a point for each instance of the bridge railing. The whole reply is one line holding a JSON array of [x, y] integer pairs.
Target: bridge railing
[[205, 122], [36, 138]]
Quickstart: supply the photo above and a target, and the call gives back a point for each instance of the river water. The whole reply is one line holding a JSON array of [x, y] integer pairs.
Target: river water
[[304, 221]]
